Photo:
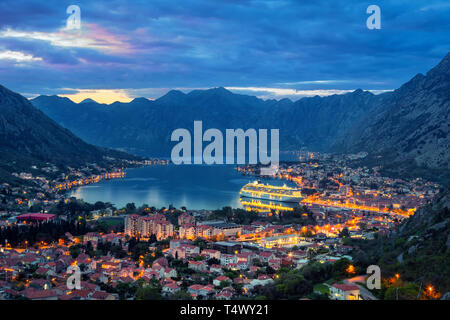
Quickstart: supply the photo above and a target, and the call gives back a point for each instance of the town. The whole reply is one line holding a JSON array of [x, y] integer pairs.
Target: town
[[176, 253]]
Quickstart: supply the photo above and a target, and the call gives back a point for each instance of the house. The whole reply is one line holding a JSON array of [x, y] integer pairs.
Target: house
[[91, 237], [99, 277], [299, 254], [61, 289], [232, 266], [197, 290], [262, 280], [211, 253], [34, 294], [174, 244], [265, 256], [170, 288], [83, 294], [244, 256], [184, 251], [152, 274], [275, 263], [242, 265], [250, 230], [161, 262], [225, 294], [197, 265], [112, 238], [102, 295], [344, 292], [217, 281], [252, 269], [170, 273], [216, 268], [40, 284], [45, 272], [226, 259]]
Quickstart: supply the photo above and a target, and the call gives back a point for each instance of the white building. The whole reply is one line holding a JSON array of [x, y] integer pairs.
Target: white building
[[344, 292]]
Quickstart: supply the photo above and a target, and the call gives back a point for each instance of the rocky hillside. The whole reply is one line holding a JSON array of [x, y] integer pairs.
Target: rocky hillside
[[423, 244], [419, 251], [409, 127], [317, 122], [28, 137]]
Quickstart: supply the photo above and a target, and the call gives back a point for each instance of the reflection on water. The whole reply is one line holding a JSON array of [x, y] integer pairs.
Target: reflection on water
[[266, 206], [192, 186]]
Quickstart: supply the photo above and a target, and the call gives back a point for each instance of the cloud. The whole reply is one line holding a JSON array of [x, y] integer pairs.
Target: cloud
[[90, 36], [304, 47], [322, 82], [18, 56]]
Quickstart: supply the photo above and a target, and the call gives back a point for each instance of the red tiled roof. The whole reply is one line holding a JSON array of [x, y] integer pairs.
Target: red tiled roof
[[100, 295], [225, 293], [172, 285], [35, 216], [345, 287], [196, 287], [265, 254], [31, 293], [81, 293], [222, 278]]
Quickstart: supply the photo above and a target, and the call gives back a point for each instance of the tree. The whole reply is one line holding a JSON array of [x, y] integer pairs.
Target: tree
[[344, 233], [180, 295], [148, 293], [257, 262], [36, 208], [213, 261], [125, 289], [340, 268], [199, 258], [201, 243], [99, 205], [130, 207], [293, 285], [74, 251], [89, 249], [407, 292]]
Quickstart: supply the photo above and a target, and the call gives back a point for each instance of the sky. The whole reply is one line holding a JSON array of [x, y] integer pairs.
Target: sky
[[271, 49]]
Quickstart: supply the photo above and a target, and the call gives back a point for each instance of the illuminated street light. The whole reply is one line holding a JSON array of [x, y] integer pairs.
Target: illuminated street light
[[350, 269]]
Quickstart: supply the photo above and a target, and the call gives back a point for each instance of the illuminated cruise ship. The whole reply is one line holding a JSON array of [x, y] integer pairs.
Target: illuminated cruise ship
[[261, 191]]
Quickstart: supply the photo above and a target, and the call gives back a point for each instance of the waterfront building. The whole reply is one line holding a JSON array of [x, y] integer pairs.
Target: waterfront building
[[288, 240]]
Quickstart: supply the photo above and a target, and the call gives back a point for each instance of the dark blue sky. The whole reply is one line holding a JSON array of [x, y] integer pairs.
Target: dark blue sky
[[266, 48]]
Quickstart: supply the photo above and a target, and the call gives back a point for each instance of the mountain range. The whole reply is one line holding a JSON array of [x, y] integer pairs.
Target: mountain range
[[144, 126], [406, 129], [28, 137]]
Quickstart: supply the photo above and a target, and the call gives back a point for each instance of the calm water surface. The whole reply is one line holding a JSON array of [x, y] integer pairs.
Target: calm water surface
[[192, 186]]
